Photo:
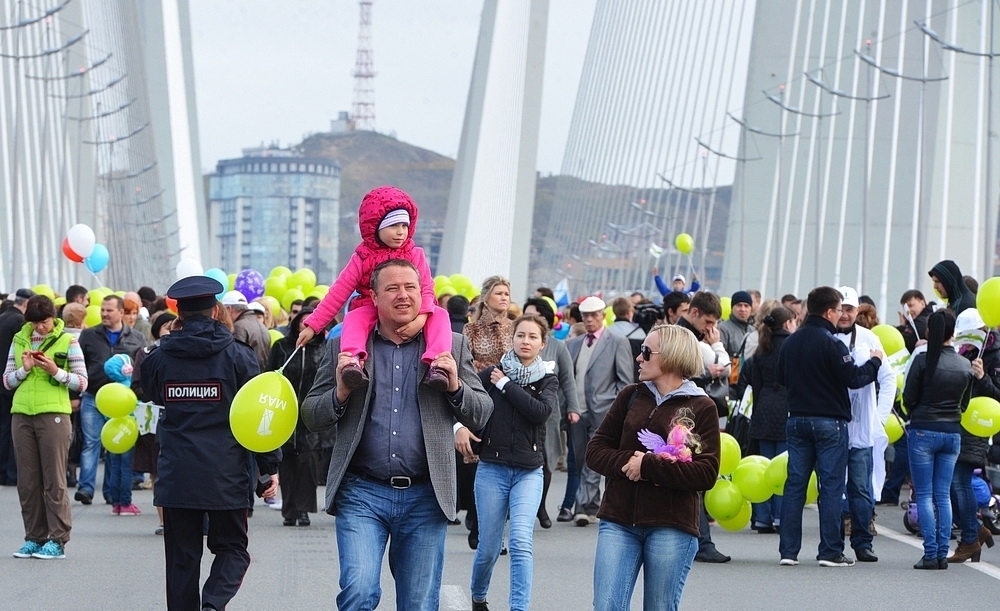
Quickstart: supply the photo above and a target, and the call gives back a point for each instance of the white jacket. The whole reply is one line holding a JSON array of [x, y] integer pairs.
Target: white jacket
[[868, 412]]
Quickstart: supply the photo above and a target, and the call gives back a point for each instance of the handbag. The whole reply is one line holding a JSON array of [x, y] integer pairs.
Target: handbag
[[738, 424], [718, 390]]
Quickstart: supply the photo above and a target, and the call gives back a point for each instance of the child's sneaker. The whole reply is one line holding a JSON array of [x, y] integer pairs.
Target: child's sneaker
[[27, 550], [52, 549], [130, 510], [354, 377], [116, 510]]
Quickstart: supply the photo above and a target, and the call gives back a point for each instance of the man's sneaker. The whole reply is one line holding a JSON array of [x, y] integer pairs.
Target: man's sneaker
[[116, 509], [27, 550], [789, 562], [52, 549], [130, 510], [84, 497], [712, 556], [477, 606], [581, 519], [840, 560]]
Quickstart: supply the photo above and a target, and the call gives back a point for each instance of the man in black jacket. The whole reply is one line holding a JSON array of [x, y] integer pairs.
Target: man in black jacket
[[11, 322], [99, 343], [817, 370]]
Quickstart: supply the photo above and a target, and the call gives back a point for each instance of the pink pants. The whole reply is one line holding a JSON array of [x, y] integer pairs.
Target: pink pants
[[359, 323]]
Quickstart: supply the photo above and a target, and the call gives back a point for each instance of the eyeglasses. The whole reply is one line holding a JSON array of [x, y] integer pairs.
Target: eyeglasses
[[645, 352]]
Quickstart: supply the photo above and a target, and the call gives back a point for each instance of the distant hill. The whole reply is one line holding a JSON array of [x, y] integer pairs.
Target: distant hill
[[369, 159]]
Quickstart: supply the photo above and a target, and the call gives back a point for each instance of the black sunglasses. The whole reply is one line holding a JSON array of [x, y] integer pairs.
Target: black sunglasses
[[645, 352]]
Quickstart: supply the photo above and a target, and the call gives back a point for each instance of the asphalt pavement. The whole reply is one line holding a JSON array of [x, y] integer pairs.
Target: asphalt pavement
[[116, 562]]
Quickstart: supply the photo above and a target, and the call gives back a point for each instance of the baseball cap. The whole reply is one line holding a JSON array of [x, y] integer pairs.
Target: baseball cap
[[592, 304], [234, 298], [256, 306], [849, 296], [679, 277]]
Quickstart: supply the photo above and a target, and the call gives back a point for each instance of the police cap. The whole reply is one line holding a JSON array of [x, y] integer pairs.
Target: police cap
[[195, 293]]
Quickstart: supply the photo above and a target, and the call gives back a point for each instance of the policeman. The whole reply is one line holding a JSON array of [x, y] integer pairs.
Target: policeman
[[202, 469]]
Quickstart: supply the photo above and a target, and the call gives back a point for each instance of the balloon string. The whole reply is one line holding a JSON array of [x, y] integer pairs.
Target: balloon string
[[296, 351]]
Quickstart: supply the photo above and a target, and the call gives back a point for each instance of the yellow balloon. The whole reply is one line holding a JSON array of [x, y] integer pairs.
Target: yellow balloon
[[275, 286], [44, 289], [275, 335], [988, 302], [264, 412], [750, 478], [777, 473], [93, 317], [740, 521], [59, 301], [290, 296], [727, 307], [724, 501], [894, 428], [304, 278], [891, 338], [729, 454], [120, 434], [812, 489], [684, 243], [280, 272], [609, 316], [115, 400], [982, 417]]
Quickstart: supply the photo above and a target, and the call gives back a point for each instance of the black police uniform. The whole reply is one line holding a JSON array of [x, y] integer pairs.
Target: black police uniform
[[194, 375]]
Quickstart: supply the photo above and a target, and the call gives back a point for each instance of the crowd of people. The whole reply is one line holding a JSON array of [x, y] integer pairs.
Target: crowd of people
[[424, 406]]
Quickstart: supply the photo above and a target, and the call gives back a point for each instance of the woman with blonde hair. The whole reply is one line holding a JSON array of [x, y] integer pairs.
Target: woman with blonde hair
[[658, 447], [491, 328]]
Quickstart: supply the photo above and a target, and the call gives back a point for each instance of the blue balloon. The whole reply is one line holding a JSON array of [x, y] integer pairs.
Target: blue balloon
[[217, 274], [98, 259]]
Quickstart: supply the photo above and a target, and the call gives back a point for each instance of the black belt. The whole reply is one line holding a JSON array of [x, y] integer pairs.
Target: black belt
[[399, 482]]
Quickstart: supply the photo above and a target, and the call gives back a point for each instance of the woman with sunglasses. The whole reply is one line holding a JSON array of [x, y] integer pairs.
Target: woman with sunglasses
[[509, 475], [44, 364], [659, 449]]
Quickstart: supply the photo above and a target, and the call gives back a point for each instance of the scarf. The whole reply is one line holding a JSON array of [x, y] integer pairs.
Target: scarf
[[520, 374]]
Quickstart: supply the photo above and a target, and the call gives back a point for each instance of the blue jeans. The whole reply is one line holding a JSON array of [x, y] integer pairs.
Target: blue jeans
[[898, 472], [120, 478], [932, 464], [369, 515], [501, 491], [572, 479], [768, 513], [964, 506], [820, 444], [860, 496], [665, 555], [92, 421]]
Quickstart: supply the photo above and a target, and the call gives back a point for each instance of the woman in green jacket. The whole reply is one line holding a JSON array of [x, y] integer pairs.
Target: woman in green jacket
[[43, 366]]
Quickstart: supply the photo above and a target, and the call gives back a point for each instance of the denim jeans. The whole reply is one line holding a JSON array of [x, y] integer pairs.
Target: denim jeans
[[120, 478], [503, 491], [664, 554], [932, 464], [92, 421], [900, 469], [588, 494], [964, 504], [768, 513], [572, 479], [860, 496], [820, 444], [369, 515]]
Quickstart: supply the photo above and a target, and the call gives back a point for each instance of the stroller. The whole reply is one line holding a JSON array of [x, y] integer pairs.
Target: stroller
[[989, 506]]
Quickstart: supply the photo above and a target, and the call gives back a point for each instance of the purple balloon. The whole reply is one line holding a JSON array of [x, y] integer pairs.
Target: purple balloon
[[250, 283]]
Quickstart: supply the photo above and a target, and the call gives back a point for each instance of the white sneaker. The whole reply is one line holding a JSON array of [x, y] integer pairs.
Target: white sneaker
[[789, 562]]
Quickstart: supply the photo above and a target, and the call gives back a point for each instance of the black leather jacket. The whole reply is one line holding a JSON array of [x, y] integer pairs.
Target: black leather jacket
[[941, 397], [515, 433]]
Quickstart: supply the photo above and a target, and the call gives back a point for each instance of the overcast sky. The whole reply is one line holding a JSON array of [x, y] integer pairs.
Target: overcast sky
[[270, 71]]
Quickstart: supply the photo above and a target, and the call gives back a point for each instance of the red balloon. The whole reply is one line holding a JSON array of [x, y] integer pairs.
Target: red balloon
[[68, 251]]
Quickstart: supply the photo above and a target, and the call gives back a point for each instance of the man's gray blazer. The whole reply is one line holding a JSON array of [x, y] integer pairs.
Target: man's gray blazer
[[437, 417], [610, 370]]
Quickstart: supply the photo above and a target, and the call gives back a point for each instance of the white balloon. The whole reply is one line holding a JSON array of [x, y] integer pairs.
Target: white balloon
[[81, 239], [189, 267]]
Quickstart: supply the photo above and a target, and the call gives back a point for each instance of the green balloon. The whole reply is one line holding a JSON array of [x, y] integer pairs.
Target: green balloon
[[120, 434], [729, 454], [280, 272], [982, 417], [724, 500], [115, 400], [304, 278], [750, 479], [275, 286], [290, 296], [741, 520], [264, 412], [777, 473]]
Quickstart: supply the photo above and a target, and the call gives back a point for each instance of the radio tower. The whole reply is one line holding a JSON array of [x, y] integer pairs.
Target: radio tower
[[363, 106]]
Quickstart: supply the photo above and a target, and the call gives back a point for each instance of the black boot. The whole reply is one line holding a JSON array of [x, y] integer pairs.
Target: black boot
[[543, 515]]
